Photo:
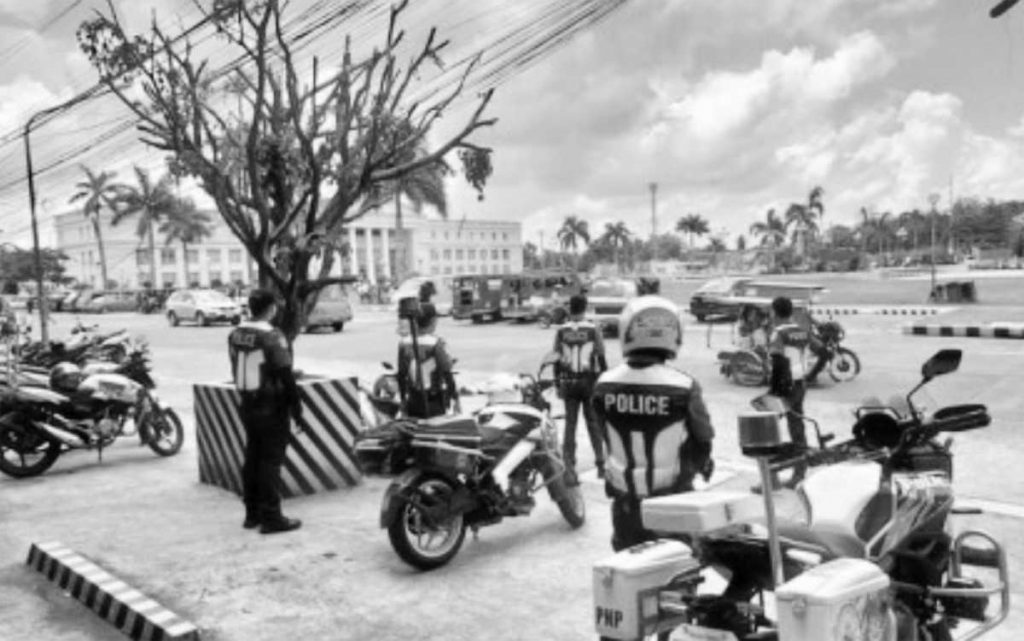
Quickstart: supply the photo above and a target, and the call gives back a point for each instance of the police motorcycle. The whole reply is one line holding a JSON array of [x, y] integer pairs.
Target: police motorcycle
[[82, 408], [862, 552]]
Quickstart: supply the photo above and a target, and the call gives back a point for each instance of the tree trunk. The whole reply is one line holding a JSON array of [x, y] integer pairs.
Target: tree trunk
[[152, 256], [401, 267], [184, 261], [102, 251]]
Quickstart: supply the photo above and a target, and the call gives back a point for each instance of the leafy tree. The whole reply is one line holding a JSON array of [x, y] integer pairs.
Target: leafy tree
[[187, 225], [305, 153], [531, 256], [804, 217], [693, 225], [97, 191], [151, 203], [771, 231], [716, 245], [616, 236], [571, 234], [741, 242], [18, 264]]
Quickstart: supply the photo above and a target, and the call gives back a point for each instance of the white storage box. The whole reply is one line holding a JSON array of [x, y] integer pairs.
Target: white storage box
[[700, 511], [626, 586], [839, 600]]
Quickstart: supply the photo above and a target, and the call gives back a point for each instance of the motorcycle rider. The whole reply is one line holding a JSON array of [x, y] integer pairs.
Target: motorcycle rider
[[581, 349], [787, 347], [261, 366], [819, 349], [658, 431], [426, 382]]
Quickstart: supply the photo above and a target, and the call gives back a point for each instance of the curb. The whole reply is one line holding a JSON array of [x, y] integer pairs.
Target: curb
[[996, 330], [880, 311], [127, 609]]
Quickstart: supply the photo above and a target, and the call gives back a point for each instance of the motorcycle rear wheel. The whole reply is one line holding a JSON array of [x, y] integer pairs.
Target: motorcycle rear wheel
[[166, 434], [568, 498], [16, 444], [844, 366], [412, 535]]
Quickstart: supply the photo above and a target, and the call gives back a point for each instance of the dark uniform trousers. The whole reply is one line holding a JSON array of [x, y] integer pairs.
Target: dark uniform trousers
[[577, 394], [268, 430], [627, 519]]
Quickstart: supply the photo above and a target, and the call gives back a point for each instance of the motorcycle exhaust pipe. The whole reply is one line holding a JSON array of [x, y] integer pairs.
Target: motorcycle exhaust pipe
[[68, 438]]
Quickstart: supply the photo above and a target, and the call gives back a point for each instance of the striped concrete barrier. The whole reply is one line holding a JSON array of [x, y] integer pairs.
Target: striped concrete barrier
[[127, 609], [995, 330], [901, 310], [319, 458]]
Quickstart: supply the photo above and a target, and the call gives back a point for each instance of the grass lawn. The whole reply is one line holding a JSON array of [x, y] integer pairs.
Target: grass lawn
[[996, 288]]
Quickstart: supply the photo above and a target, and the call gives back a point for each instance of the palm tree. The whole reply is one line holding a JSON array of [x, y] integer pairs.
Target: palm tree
[[771, 231], [186, 225], [741, 242], [716, 245], [98, 192], [804, 218], [617, 235], [152, 202], [692, 225], [573, 229]]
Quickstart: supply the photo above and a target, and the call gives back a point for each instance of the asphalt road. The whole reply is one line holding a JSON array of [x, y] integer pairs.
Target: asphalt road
[[149, 521]]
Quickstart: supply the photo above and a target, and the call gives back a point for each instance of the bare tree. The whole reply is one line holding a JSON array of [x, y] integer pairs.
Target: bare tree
[[305, 154]]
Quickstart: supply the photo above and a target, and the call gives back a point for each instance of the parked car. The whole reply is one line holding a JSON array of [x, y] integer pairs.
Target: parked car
[[76, 299], [202, 306], [332, 309], [715, 299], [606, 297], [103, 302]]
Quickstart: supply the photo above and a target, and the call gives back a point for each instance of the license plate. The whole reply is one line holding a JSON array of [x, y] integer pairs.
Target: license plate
[[687, 632]]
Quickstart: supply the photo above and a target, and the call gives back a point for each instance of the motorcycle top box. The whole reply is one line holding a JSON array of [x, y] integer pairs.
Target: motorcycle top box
[[840, 600], [626, 586]]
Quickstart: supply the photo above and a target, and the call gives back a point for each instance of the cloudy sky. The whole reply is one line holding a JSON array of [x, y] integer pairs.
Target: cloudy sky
[[731, 106]]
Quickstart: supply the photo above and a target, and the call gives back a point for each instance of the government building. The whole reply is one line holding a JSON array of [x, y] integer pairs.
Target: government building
[[433, 247]]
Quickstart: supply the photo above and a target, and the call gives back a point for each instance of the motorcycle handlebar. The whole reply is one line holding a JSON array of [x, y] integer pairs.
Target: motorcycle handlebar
[[830, 456]]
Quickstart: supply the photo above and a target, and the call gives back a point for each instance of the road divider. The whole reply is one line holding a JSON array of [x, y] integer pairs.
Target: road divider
[[124, 607], [881, 310], [992, 330]]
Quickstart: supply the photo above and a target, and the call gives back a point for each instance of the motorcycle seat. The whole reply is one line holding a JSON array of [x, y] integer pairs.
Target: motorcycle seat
[[837, 544], [449, 428]]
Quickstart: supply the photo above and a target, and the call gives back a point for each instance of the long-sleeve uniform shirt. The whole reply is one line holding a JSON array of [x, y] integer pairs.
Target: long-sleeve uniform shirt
[[581, 347], [436, 377], [659, 431], [789, 344], [261, 366]]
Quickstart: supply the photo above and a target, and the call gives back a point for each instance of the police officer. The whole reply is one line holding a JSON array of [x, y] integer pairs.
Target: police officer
[[430, 391], [787, 347], [261, 365], [581, 349], [658, 429]]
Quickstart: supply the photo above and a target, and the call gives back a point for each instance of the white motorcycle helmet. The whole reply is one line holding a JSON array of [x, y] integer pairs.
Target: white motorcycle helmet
[[65, 377], [650, 324]]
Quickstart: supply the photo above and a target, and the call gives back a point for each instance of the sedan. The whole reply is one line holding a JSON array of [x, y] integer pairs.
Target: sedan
[[202, 306]]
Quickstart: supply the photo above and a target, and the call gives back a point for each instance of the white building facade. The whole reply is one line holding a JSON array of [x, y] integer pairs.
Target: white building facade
[[434, 247]]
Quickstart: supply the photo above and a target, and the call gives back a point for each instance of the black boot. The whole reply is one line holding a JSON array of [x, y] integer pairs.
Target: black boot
[[279, 524], [252, 519]]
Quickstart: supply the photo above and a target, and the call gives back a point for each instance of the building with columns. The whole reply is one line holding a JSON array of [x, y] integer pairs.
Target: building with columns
[[433, 247]]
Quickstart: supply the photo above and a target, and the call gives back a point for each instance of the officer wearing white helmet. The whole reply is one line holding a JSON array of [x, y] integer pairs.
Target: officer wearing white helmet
[[658, 429]]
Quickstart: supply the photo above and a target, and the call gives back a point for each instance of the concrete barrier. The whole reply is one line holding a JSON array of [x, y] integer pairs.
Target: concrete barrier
[[127, 609], [995, 330], [319, 458], [890, 310]]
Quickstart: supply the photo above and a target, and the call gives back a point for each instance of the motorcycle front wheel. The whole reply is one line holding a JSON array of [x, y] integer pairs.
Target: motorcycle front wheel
[[425, 534], [568, 498], [25, 452], [747, 369], [844, 366], [166, 433]]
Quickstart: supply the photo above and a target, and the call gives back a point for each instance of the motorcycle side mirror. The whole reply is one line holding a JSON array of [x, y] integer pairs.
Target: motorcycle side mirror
[[386, 365], [550, 359], [943, 362]]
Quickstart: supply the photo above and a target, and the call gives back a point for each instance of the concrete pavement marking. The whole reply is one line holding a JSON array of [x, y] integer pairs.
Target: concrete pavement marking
[[128, 609]]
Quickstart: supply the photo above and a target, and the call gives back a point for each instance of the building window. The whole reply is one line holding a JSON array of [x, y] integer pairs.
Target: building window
[[142, 257], [471, 254], [235, 256], [142, 278], [213, 256], [447, 269], [193, 279], [168, 278], [504, 255], [433, 234], [447, 254], [458, 254], [167, 256], [434, 270], [483, 269], [494, 235], [504, 236], [236, 277], [507, 268], [434, 254], [193, 256], [494, 254]]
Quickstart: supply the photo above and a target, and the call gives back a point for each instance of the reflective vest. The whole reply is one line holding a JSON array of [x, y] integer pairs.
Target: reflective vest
[[792, 341], [576, 343]]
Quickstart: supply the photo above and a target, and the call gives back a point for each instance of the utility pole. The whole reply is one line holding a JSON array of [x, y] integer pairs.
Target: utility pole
[[934, 200], [540, 249], [654, 219], [952, 239]]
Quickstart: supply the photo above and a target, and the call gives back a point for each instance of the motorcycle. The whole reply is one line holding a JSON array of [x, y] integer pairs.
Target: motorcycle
[[38, 423], [748, 367], [751, 367], [84, 344], [841, 362], [871, 557], [455, 473]]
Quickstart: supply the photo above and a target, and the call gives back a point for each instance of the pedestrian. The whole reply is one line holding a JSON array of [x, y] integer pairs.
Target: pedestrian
[[261, 366], [426, 381], [787, 348], [659, 434], [580, 348]]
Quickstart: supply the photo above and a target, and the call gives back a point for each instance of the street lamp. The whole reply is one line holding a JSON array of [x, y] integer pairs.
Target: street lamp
[[933, 199], [37, 255]]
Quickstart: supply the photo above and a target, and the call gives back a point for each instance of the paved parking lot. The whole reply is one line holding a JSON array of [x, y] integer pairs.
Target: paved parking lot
[[149, 520]]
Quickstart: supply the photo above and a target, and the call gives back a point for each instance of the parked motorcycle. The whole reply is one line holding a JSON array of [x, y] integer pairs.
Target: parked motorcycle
[[747, 367], [84, 344], [871, 557], [459, 472], [842, 363], [82, 409], [751, 367]]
